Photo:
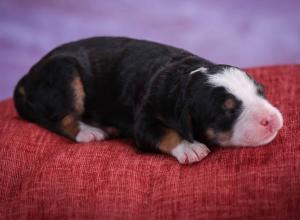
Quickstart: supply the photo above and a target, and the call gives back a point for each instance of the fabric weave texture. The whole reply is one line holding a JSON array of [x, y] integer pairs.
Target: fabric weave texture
[[45, 176]]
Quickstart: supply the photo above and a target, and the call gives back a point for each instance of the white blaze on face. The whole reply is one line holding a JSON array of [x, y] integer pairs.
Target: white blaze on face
[[259, 121]]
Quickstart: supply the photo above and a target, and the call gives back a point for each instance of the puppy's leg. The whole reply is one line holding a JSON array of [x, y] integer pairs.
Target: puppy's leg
[[184, 151], [55, 99], [151, 135], [147, 132], [79, 131]]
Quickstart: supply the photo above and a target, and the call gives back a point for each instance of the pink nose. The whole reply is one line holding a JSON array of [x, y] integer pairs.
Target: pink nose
[[264, 122], [271, 123]]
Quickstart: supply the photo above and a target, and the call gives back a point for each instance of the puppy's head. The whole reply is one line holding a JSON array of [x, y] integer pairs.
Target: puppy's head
[[235, 111]]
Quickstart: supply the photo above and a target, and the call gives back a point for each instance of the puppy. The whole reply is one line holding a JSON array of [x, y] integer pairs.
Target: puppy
[[167, 99]]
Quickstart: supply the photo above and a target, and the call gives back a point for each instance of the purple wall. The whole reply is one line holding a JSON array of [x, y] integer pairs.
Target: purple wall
[[241, 33]]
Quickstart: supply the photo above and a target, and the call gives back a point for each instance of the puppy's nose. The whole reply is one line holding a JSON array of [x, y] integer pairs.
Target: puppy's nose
[[270, 122], [264, 122]]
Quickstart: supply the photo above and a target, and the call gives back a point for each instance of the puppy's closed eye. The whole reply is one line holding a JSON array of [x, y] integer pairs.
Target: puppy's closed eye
[[229, 104]]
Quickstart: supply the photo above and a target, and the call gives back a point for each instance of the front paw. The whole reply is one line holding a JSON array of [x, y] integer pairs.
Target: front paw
[[187, 153], [89, 133]]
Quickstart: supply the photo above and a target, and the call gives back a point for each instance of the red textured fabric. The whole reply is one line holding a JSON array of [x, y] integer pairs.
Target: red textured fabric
[[45, 176]]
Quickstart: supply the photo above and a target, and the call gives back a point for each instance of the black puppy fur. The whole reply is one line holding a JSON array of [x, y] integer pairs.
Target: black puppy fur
[[142, 89]]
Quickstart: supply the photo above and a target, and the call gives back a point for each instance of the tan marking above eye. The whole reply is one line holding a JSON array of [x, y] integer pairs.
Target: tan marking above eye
[[169, 141], [229, 104]]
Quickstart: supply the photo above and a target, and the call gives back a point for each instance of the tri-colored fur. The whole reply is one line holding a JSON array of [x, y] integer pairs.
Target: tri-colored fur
[[159, 95]]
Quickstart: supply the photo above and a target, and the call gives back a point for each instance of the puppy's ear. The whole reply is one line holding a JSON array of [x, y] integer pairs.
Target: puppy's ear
[[186, 127]]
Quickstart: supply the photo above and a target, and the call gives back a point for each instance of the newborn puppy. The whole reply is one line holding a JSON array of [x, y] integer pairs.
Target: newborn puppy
[[165, 98]]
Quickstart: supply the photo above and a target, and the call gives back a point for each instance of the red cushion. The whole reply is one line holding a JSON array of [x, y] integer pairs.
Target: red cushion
[[43, 175]]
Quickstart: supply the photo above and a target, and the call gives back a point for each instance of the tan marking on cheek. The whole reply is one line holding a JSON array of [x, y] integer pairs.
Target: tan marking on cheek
[[79, 95], [224, 138], [210, 133], [69, 126], [229, 104], [169, 141]]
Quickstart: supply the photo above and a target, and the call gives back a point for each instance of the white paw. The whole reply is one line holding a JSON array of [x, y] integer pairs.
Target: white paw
[[187, 152], [88, 133]]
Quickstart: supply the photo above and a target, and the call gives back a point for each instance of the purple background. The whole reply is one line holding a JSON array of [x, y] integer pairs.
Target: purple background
[[241, 33]]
